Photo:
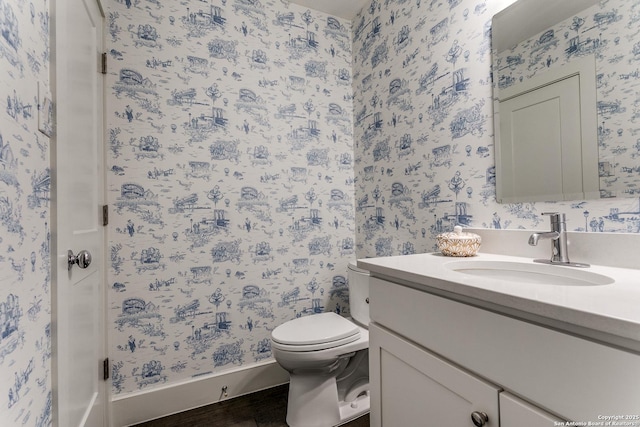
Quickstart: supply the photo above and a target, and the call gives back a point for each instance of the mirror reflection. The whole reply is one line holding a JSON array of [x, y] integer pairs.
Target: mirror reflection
[[530, 44]]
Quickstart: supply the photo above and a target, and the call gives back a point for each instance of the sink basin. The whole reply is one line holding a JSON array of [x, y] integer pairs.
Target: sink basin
[[521, 272]]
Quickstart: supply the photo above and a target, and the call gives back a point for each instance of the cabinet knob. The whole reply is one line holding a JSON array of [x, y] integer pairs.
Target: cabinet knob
[[479, 418]]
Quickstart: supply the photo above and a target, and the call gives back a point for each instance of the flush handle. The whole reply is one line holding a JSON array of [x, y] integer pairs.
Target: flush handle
[[479, 418], [83, 259]]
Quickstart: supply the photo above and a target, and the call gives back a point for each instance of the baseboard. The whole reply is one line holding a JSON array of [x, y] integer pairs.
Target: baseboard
[[138, 407]]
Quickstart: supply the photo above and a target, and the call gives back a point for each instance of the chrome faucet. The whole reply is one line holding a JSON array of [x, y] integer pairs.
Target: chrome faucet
[[558, 237]]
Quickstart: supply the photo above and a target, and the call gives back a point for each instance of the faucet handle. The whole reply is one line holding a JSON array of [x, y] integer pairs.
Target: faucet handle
[[555, 217]]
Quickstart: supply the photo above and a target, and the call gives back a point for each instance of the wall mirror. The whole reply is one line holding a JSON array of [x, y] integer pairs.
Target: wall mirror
[[566, 113]]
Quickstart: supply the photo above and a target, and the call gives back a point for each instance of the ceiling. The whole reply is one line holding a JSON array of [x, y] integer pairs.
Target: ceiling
[[346, 9]]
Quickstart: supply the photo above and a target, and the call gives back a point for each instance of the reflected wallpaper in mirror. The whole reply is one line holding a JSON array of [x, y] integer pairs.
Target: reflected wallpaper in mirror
[[609, 31]]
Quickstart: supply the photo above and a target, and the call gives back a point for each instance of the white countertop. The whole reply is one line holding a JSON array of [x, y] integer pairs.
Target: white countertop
[[611, 311]]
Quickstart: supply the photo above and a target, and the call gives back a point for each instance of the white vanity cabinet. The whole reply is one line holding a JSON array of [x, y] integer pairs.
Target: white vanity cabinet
[[435, 361]]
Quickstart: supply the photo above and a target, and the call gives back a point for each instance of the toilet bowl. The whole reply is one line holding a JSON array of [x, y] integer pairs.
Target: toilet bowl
[[327, 357]]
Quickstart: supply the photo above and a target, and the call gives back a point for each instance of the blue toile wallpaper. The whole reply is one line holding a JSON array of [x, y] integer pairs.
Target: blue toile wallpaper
[[423, 138], [25, 282], [254, 147], [230, 180]]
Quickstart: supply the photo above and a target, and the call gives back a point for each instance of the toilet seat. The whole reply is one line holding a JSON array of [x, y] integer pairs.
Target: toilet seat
[[316, 332]]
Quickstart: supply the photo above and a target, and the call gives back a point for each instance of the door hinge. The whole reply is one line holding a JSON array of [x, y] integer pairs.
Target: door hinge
[[103, 63], [105, 215], [105, 369]]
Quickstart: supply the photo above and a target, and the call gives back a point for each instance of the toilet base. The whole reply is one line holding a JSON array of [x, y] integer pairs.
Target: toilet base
[[313, 402]]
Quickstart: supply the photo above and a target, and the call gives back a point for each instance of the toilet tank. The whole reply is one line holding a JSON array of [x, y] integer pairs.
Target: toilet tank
[[358, 294]]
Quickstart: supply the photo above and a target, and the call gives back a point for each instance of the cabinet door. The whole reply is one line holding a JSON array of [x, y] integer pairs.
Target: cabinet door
[[413, 387], [515, 412]]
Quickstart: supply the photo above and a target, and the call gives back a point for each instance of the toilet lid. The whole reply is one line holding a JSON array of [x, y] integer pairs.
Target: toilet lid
[[316, 329]]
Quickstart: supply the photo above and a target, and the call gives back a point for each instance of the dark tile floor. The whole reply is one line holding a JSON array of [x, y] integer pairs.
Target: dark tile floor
[[267, 408]]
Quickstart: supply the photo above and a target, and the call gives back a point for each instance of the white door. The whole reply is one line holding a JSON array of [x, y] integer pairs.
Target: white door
[[547, 136], [540, 142], [79, 391]]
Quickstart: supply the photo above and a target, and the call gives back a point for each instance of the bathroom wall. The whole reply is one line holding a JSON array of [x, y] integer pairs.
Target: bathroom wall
[[25, 282], [216, 235], [424, 131], [230, 181]]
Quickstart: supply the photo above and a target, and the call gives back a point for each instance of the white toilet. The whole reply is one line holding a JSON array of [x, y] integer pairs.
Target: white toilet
[[327, 357]]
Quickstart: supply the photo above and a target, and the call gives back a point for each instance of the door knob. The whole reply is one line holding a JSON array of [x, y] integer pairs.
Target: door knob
[[479, 418], [83, 259]]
